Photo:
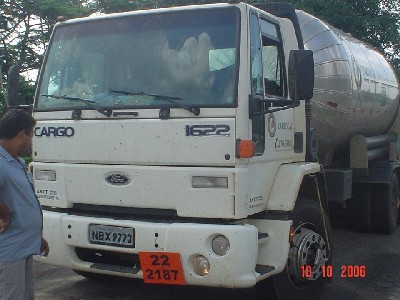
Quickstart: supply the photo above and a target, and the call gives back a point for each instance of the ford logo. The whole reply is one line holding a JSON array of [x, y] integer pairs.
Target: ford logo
[[118, 179]]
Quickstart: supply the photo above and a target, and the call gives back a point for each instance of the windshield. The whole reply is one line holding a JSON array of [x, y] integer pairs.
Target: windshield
[[123, 62]]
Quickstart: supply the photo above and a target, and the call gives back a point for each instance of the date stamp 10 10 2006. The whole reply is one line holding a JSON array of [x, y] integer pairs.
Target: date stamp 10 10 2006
[[346, 271]]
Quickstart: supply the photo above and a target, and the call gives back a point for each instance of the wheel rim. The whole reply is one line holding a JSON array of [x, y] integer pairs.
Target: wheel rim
[[308, 249]]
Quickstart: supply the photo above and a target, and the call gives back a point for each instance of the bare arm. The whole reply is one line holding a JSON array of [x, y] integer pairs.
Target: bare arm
[[4, 216], [44, 249]]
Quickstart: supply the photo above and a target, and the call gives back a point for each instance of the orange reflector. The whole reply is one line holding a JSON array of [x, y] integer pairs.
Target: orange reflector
[[291, 234], [246, 149]]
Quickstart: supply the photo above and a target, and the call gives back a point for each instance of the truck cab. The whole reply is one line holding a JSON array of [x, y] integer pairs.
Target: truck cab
[[171, 144]]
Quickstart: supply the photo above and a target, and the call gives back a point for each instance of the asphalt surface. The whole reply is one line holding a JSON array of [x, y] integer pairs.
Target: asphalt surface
[[379, 255]]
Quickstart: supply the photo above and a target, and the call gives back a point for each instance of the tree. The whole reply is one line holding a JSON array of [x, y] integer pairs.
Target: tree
[[29, 25], [25, 28], [26, 25], [375, 22]]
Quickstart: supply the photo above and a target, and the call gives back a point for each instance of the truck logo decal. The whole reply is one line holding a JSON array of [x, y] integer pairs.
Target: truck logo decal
[[118, 179], [54, 131], [271, 125], [208, 130]]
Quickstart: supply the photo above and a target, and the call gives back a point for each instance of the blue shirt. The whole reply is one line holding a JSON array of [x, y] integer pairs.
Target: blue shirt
[[23, 236]]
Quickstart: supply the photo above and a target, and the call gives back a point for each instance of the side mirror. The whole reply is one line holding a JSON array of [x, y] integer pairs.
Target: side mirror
[[12, 86], [301, 74]]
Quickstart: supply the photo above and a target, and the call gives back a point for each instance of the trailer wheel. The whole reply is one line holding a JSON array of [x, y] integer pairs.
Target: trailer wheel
[[309, 250], [385, 206], [361, 207]]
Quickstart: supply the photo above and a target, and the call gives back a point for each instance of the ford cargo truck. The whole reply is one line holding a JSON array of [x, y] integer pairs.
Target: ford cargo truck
[[205, 145]]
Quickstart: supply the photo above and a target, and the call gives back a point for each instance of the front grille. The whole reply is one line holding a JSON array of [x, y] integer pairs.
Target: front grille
[[134, 214], [109, 260], [124, 212]]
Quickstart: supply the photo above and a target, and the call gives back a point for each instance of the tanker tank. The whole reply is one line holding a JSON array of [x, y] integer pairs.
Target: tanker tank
[[355, 88]]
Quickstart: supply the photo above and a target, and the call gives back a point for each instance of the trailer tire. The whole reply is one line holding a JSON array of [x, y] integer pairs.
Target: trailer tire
[[361, 207], [385, 204], [310, 244]]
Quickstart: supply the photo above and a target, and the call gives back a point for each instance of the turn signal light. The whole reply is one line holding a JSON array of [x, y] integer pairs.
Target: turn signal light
[[201, 265], [291, 234], [245, 148]]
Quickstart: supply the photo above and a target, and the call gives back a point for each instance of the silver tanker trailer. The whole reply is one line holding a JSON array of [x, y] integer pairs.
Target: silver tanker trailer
[[355, 115]]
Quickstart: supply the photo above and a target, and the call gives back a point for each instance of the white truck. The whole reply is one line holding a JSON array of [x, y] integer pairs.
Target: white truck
[[203, 145]]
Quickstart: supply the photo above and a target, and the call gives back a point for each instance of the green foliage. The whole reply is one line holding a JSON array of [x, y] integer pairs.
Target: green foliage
[[50, 9], [2, 101], [25, 32], [26, 91], [396, 62], [29, 24], [27, 159], [375, 22], [110, 6]]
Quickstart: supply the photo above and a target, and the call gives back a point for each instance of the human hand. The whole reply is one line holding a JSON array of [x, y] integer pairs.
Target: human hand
[[44, 249], [3, 225], [4, 217]]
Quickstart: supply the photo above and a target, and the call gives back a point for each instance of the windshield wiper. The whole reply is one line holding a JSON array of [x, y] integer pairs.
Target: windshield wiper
[[106, 112], [193, 110]]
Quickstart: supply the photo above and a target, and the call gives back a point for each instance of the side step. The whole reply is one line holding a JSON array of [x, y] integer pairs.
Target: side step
[[264, 269], [262, 237]]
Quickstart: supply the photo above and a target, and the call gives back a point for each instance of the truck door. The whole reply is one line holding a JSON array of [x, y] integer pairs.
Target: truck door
[[273, 133]]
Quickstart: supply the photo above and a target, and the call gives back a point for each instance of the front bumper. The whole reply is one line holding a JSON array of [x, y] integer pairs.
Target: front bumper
[[68, 233]]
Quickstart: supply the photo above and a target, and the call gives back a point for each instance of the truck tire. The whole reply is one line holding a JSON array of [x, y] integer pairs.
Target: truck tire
[[361, 207], [385, 204], [309, 248]]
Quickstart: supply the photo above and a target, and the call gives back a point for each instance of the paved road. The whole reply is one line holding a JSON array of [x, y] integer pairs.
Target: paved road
[[380, 254]]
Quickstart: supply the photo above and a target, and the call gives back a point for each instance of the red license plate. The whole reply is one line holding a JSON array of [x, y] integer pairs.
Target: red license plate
[[161, 267]]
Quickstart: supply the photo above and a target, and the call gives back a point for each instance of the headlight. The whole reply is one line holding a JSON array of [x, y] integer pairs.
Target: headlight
[[201, 266], [220, 245], [209, 182], [45, 175]]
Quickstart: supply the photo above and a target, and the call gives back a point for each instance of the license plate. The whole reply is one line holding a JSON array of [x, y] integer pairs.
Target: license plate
[[111, 235], [161, 267]]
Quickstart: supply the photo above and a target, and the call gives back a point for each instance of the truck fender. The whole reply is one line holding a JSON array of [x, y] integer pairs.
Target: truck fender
[[286, 185]]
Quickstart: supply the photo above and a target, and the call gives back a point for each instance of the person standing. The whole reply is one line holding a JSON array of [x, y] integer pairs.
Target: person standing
[[21, 217]]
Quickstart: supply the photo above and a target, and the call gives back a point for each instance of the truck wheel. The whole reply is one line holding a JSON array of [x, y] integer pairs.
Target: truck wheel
[[361, 207], [385, 204], [308, 254]]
